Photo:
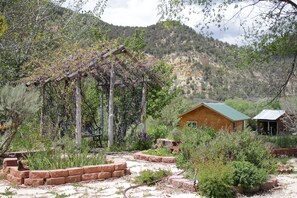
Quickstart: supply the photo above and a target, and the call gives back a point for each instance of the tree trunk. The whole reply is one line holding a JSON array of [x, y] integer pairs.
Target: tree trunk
[[42, 133], [110, 109], [143, 107], [101, 111], [78, 112]]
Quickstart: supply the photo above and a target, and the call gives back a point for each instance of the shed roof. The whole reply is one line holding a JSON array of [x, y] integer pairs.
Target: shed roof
[[222, 109], [269, 114]]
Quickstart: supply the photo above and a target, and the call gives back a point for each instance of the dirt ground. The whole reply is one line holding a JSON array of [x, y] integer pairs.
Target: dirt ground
[[114, 187]]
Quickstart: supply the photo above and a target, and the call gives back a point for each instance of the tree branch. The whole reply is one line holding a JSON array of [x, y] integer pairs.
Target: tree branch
[[290, 2], [290, 74]]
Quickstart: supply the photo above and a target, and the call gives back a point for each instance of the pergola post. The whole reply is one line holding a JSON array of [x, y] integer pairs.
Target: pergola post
[[110, 107], [78, 112], [42, 110], [101, 109], [143, 107]]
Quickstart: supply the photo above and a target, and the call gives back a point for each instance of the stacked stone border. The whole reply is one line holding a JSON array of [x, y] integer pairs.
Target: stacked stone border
[[153, 158], [178, 181], [61, 176], [284, 151]]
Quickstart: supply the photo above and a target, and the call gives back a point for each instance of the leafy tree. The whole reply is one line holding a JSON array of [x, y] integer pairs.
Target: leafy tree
[[159, 97], [170, 113], [37, 27], [16, 105], [252, 108]]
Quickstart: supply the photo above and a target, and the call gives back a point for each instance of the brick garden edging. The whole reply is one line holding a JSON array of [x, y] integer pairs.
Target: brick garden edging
[[61, 176], [153, 158], [178, 181]]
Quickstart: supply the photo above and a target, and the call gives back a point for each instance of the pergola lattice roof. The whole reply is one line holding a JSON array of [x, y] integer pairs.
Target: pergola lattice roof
[[97, 63]]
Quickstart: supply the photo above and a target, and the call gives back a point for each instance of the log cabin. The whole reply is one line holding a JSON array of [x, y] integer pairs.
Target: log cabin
[[217, 116]]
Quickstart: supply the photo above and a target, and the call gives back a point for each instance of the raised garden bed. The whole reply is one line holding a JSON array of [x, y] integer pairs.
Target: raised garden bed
[[154, 158], [169, 144], [61, 176]]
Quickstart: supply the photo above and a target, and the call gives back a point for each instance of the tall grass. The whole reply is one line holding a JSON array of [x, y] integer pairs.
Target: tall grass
[[68, 157]]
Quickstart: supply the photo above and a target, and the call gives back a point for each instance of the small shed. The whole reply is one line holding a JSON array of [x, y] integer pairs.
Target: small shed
[[270, 121], [215, 115]]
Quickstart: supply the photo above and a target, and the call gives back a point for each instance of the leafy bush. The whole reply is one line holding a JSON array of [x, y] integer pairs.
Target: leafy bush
[[215, 179], [281, 141], [158, 131], [69, 157], [29, 131], [158, 152], [176, 135], [247, 175], [214, 156], [191, 138], [143, 142], [239, 146], [148, 176]]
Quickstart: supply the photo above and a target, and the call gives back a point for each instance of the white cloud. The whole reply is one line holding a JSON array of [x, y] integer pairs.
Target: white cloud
[[129, 12]]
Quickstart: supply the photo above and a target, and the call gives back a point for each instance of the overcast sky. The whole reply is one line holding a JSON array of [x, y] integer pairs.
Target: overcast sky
[[145, 13]]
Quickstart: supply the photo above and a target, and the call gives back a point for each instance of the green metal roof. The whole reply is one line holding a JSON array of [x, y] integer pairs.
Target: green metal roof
[[227, 111], [224, 110]]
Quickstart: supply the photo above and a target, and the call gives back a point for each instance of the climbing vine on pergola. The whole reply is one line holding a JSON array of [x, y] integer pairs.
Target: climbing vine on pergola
[[109, 66]]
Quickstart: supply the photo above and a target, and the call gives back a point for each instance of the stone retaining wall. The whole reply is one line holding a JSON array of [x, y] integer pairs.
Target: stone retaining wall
[[61, 176], [153, 158], [178, 181], [284, 151]]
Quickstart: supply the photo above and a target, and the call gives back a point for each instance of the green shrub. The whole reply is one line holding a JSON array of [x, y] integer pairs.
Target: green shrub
[[239, 146], [148, 176], [158, 131], [158, 152], [176, 135], [247, 175], [191, 138], [29, 131], [143, 142], [215, 156], [215, 179]]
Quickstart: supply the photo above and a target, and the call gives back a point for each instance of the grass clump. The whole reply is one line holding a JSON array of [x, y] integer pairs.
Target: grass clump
[[68, 157], [158, 152], [149, 176]]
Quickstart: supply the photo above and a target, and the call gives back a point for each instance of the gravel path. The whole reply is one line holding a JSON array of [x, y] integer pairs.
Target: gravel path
[[114, 187]]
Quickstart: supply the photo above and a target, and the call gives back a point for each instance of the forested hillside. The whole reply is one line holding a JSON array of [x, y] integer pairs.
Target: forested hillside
[[207, 68], [203, 67]]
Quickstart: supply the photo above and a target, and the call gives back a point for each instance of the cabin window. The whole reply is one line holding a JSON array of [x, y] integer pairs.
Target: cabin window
[[192, 124]]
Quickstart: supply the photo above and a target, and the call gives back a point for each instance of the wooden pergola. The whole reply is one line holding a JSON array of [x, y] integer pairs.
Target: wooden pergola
[[110, 67]]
